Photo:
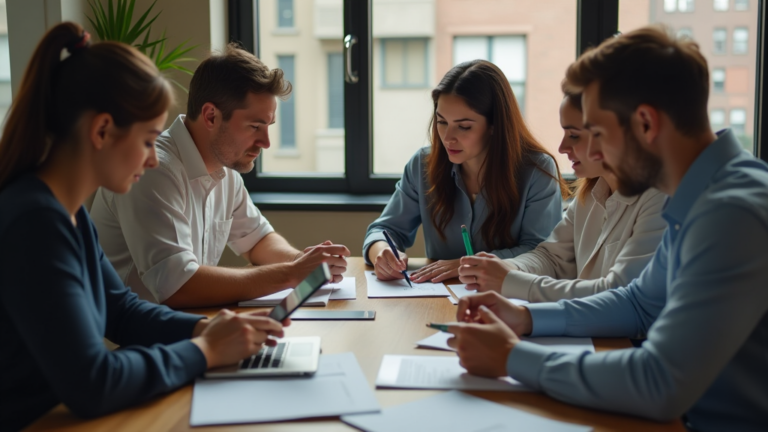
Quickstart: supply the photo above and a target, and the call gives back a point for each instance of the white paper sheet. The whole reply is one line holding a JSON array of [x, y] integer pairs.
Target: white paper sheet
[[339, 387], [319, 298], [455, 411], [432, 372], [460, 290], [561, 344], [344, 290], [400, 288]]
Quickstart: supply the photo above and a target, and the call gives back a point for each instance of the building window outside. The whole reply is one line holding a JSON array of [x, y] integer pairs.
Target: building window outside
[[685, 5], [741, 5], [335, 91], [285, 13], [721, 5], [670, 5], [738, 121], [720, 39], [685, 33], [717, 119], [718, 80], [404, 63], [740, 38], [287, 117], [506, 52]]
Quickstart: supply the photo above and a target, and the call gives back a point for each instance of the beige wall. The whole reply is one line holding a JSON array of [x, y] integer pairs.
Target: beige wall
[[309, 228]]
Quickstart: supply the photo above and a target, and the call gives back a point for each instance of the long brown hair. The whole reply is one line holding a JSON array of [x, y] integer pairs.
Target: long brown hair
[[107, 77], [485, 89], [583, 186]]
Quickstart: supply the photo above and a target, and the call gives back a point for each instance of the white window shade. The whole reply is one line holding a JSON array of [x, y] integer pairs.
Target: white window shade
[[508, 53], [721, 5], [466, 48], [670, 5]]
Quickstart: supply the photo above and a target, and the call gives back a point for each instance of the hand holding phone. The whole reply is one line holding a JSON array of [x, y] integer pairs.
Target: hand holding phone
[[304, 290]]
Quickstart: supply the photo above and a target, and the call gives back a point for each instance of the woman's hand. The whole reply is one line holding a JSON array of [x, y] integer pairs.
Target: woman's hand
[[437, 271], [484, 272], [385, 264], [230, 337]]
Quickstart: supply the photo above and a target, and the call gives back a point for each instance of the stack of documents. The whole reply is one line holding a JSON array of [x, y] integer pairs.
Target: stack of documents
[[459, 412], [344, 290], [339, 387], [400, 288]]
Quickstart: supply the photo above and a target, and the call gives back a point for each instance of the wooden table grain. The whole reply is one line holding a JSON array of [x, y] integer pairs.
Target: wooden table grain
[[398, 324]]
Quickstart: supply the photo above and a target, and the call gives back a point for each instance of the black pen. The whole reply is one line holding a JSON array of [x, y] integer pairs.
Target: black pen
[[397, 255]]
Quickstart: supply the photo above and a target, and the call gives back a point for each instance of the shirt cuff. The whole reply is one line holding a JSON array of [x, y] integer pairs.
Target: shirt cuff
[[548, 319], [170, 274], [517, 284], [525, 361], [194, 359], [245, 244]]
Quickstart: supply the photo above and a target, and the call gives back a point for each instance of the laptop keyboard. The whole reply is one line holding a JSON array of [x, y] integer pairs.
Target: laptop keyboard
[[267, 358]]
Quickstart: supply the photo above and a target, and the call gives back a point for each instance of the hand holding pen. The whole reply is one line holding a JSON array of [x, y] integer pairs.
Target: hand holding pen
[[387, 261]]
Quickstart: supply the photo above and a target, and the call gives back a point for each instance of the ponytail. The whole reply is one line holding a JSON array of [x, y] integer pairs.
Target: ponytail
[[107, 77]]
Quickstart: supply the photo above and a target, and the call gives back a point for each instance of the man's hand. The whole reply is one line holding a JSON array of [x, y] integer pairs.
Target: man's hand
[[313, 256], [385, 264], [484, 272], [438, 271], [230, 337], [517, 318], [483, 347]]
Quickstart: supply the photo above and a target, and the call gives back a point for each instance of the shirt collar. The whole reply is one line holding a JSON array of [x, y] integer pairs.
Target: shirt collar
[[189, 154], [698, 176]]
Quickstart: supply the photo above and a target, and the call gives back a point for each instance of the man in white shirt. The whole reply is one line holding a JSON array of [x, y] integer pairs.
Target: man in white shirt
[[166, 236]]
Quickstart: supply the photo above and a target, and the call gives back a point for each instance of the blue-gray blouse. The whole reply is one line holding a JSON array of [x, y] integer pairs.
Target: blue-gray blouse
[[540, 210]]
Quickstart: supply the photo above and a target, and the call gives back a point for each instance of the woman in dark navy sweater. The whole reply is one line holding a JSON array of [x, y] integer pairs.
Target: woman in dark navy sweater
[[88, 121]]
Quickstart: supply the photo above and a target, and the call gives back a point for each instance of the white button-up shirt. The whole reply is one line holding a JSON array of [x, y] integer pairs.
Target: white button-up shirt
[[600, 244], [175, 219]]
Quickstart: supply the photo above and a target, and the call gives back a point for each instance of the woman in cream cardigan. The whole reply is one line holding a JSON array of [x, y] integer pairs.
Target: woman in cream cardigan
[[604, 241]]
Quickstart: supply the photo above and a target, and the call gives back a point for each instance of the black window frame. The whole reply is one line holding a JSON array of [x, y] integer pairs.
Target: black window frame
[[596, 21]]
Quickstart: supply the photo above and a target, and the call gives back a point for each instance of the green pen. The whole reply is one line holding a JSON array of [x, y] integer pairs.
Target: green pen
[[443, 327], [467, 242]]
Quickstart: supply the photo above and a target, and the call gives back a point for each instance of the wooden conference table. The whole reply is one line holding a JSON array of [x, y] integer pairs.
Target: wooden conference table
[[398, 325]]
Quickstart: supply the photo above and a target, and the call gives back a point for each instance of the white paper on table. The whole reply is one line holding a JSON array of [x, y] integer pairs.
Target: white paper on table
[[460, 290], [400, 288], [319, 298], [455, 411], [339, 387], [568, 345], [344, 290], [440, 373]]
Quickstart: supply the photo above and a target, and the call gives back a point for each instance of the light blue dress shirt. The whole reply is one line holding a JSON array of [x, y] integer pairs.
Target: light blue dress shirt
[[702, 302], [540, 210]]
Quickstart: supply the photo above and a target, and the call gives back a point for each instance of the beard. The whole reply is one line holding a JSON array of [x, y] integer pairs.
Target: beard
[[638, 171], [222, 148]]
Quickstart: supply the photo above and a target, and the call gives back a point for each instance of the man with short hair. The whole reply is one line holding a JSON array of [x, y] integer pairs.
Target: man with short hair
[[702, 302], [166, 236]]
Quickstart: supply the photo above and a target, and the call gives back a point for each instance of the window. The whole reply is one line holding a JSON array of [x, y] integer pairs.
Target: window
[[287, 112], [718, 80], [285, 13], [684, 32], [670, 5], [740, 38], [738, 121], [335, 91], [404, 62], [721, 5], [717, 119], [5, 67], [720, 39], [685, 5], [507, 52], [740, 5]]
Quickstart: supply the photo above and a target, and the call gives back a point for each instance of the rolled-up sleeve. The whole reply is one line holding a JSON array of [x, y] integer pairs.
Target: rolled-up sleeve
[[157, 232], [249, 226]]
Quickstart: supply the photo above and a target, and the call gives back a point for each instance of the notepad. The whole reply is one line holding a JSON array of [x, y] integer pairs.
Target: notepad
[[455, 411], [319, 298], [344, 290], [570, 345], [339, 387], [400, 288]]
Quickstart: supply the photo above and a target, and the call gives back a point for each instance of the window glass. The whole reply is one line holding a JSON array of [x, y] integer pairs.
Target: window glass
[[733, 74], [740, 5], [308, 134], [685, 32], [670, 5], [5, 67], [449, 32], [685, 5], [740, 38], [721, 5]]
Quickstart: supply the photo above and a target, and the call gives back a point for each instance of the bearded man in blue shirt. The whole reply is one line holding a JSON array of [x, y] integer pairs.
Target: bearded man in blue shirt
[[702, 302]]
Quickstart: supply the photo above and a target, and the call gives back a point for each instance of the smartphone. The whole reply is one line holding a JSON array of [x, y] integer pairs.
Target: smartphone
[[333, 315], [319, 277]]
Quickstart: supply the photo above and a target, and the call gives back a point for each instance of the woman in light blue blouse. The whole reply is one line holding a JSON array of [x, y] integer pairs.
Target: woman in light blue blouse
[[484, 170]]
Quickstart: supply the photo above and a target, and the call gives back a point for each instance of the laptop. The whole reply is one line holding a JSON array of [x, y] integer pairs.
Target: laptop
[[292, 356]]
